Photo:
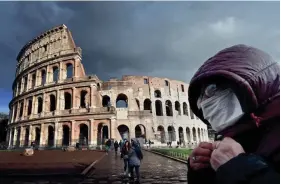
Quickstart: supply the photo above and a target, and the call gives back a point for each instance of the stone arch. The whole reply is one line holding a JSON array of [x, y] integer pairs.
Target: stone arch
[[106, 101], [29, 108], [185, 109], [124, 132], [51, 135], [188, 134], [52, 102], [55, 74], [169, 108], [194, 134], [178, 107], [66, 135], [159, 108], [171, 133], [40, 105], [140, 131], [181, 135], [147, 104], [26, 136], [69, 70], [43, 77], [161, 133], [83, 134], [167, 83], [83, 101], [157, 94], [122, 101], [21, 109], [37, 135], [67, 100], [103, 133], [199, 134]]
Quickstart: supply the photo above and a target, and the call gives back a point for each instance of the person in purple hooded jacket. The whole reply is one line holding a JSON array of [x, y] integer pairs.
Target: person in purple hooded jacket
[[237, 92]]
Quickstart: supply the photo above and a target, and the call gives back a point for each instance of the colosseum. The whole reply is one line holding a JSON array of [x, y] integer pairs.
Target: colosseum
[[56, 104]]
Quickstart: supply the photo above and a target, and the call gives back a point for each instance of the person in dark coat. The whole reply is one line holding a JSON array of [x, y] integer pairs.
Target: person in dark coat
[[107, 145], [237, 92], [116, 145]]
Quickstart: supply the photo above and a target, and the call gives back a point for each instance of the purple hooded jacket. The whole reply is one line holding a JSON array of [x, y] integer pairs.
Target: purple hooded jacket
[[255, 78]]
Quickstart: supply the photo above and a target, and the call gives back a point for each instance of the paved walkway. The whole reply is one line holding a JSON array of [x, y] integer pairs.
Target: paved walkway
[[154, 169]]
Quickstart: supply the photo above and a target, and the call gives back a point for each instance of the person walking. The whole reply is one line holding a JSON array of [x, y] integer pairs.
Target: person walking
[[124, 154], [237, 92], [134, 159], [107, 146], [116, 145]]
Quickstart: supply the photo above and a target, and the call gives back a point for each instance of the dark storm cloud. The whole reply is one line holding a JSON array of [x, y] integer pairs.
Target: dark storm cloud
[[166, 39]]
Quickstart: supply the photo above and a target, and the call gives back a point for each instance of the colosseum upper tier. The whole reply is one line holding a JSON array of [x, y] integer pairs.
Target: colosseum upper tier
[[56, 104]]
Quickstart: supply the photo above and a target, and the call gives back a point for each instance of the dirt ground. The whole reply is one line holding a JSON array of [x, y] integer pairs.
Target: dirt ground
[[46, 162]]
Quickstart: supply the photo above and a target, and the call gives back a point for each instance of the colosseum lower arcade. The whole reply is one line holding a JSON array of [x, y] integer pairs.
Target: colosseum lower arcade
[[56, 104]]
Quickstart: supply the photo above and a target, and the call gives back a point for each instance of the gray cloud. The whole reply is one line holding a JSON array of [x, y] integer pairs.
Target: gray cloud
[[166, 39]]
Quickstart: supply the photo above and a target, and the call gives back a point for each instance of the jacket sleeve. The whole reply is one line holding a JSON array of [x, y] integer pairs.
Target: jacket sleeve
[[207, 175], [248, 169]]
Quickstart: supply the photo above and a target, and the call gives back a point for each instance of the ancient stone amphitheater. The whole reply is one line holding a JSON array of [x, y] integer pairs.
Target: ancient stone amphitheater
[[55, 103]]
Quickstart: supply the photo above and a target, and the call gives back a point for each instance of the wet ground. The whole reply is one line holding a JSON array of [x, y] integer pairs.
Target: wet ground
[[154, 169]]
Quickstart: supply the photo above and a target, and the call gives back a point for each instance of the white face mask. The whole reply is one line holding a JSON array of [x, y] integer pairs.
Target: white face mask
[[222, 110]]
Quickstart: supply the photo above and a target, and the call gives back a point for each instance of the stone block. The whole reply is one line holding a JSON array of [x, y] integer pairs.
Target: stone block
[[28, 152], [70, 148]]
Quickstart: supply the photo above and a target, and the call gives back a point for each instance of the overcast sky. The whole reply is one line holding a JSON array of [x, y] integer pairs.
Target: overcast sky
[[164, 39]]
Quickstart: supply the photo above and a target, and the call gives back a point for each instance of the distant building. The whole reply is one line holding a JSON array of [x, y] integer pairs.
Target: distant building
[[55, 103]]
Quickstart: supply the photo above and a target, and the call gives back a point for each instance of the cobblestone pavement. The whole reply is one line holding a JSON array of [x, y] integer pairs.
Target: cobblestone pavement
[[154, 170]]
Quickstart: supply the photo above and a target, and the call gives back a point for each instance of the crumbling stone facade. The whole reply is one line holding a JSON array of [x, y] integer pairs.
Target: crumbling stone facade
[[55, 103]]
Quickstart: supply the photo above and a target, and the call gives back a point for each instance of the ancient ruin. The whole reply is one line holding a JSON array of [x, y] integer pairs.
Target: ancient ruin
[[55, 103]]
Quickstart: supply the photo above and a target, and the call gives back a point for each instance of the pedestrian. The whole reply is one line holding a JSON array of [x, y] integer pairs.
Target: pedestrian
[[116, 145], [124, 154], [107, 146], [135, 156], [237, 92]]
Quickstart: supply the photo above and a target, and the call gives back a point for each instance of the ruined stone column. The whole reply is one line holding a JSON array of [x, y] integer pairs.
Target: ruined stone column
[[15, 136], [41, 135], [43, 103], [21, 136], [56, 132], [74, 98], [191, 135], [47, 74], [92, 96], [58, 102], [10, 138], [73, 133], [30, 136], [113, 127], [91, 132], [60, 77]]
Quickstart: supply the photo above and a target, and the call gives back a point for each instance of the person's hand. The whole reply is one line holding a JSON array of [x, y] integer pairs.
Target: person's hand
[[224, 151], [200, 156]]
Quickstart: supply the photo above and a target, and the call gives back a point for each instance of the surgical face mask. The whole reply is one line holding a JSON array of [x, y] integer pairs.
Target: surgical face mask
[[222, 110]]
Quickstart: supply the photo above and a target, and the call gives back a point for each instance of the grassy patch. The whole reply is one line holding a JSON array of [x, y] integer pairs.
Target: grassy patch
[[180, 153]]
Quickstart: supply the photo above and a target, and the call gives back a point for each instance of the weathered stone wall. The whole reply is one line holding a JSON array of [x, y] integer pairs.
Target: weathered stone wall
[[54, 103]]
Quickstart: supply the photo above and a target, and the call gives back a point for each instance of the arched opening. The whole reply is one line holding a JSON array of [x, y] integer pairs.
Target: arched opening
[[18, 137], [178, 108], [171, 133], [102, 133], [124, 132], [52, 103], [140, 134], [166, 83], [40, 105], [67, 100], [33, 80], [55, 74], [15, 112], [50, 135], [194, 134], [21, 109], [185, 109], [157, 94], [69, 70], [37, 135], [181, 137], [106, 101], [191, 114], [98, 86], [66, 135], [83, 135], [147, 104], [158, 107], [25, 83], [188, 134], [199, 134], [138, 104], [161, 133], [29, 109], [26, 136], [43, 77], [122, 101], [169, 108], [83, 99]]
